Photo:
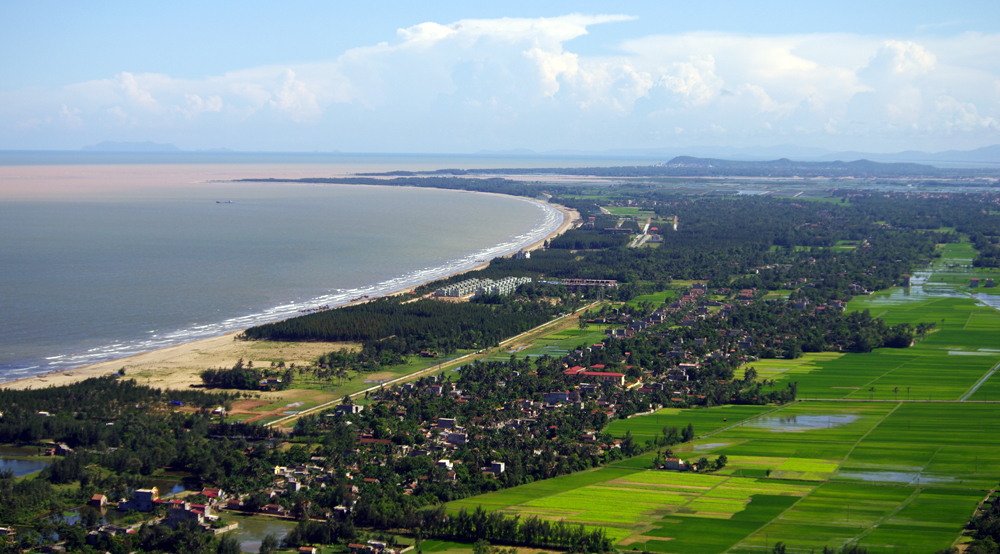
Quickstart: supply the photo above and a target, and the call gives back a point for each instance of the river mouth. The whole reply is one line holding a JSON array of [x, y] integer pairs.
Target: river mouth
[[800, 423]]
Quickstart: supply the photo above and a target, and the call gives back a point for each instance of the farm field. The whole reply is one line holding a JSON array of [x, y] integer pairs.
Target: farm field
[[646, 427], [656, 298], [892, 450], [623, 210], [912, 473], [558, 343], [946, 365], [954, 267]]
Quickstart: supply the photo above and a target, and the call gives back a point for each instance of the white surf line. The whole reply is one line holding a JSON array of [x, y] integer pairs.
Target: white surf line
[[978, 384]]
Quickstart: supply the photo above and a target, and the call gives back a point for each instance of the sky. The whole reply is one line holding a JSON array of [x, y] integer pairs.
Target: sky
[[464, 77]]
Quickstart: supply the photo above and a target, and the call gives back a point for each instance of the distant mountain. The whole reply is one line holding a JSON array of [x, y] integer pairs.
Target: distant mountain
[[985, 155], [148, 146], [988, 155], [787, 168], [512, 152]]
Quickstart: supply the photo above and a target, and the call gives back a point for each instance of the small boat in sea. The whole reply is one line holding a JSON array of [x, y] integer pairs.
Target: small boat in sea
[[223, 201]]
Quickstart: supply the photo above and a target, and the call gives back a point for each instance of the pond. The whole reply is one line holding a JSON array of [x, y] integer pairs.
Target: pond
[[21, 467], [253, 529], [800, 423], [168, 488], [107, 515]]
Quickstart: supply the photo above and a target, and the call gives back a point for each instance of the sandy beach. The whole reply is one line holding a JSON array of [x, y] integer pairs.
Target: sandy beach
[[180, 366]]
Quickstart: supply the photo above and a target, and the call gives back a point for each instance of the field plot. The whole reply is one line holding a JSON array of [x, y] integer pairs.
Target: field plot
[[954, 267], [653, 507], [704, 420], [881, 519], [954, 445], [890, 476], [622, 210], [558, 343], [777, 368], [656, 298], [945, 365]]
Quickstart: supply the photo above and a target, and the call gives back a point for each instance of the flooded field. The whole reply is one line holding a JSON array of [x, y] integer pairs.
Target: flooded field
[[800, 423]]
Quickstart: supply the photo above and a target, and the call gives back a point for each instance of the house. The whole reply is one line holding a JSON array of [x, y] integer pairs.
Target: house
[[349, 409], [274, 509], [445, 464], [271, 383], [617, 378], [446, 423], [144, 500], [676, 464], [220, 411], [497, 468], [98, 501], [573, 370], [307, 550], [181, 512], [457, 438], [214, 494], [561, 396]]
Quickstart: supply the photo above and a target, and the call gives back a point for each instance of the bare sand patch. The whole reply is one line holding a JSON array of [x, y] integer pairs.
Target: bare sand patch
[[180, 366]]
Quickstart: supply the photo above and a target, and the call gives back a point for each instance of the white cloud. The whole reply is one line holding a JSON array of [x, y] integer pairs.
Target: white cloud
[[520, 82], [295, 99]]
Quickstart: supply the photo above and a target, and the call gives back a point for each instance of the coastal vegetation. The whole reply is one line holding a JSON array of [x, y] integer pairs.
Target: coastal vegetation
[[767, 341], [390, 326]]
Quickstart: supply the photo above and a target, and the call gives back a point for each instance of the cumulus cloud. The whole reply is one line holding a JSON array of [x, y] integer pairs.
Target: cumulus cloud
[[520, 82]]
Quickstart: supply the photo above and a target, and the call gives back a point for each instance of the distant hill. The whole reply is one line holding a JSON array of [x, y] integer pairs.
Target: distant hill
[[786, 167], [689, 166], [148, 146], [984, 155]]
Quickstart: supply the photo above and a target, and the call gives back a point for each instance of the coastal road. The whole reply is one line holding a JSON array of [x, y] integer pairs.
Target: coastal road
[[445, 365]]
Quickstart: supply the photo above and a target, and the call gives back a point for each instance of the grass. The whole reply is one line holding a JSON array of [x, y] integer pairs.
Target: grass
[[821, 457], [705, 420], [943, 366], [656, 298], [621, 210]]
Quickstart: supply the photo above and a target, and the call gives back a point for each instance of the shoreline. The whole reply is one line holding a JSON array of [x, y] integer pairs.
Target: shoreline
[[169, 367]]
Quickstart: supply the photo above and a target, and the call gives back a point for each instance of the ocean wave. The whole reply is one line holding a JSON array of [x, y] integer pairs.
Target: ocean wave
[[550, 221]]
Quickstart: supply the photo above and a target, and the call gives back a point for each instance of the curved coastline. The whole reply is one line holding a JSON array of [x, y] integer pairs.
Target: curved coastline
[[91, 364]]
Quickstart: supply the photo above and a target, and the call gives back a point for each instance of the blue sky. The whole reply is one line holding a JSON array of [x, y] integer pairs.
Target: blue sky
[[464, 77]]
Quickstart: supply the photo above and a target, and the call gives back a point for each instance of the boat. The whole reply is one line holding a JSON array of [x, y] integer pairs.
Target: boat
[[223, 201]]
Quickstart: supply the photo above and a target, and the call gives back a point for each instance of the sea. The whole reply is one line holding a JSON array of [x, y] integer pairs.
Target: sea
[[107, 255]]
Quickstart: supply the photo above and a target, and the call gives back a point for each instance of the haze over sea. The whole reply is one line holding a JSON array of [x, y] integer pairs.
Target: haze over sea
[[118, 256]]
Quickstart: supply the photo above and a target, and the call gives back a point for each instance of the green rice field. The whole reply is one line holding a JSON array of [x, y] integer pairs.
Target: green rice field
[[891, 450], [558, 343], [647, 427], [946, 365], [910, 473]]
